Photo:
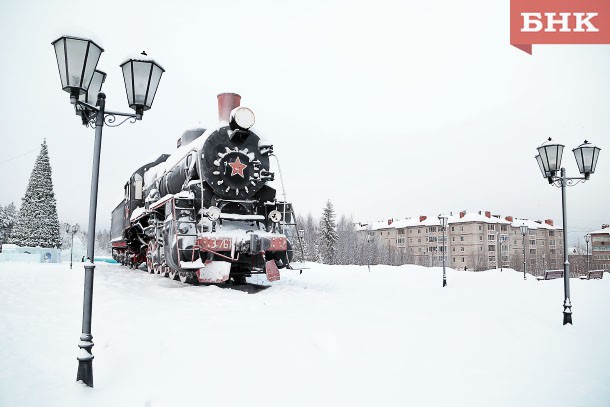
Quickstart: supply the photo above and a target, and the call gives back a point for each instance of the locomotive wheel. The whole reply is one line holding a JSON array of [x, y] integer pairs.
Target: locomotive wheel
[[149, 257], [188, 277], [173, 274], [163, 271]]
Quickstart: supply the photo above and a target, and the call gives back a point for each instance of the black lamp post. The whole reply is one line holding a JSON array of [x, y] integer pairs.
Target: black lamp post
[[77, 59], [443, 221], [71, 229], [524, 231], [368, 250], [587, 239], [549, 161]]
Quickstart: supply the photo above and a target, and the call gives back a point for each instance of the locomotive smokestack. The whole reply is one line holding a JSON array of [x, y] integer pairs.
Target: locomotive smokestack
[[226, 103]]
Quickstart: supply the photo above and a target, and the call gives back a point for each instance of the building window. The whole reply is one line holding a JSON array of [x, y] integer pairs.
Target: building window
[[532, 251], [480, 238], [533, 242], [503, 228], [461, 238], [401, 231], [453, 230], [491, 237], [461, 249], [491, 248], [551, 233], [492, 259], [491, 227], [462, 260], [461, 228], [432, 239], [480, 227]]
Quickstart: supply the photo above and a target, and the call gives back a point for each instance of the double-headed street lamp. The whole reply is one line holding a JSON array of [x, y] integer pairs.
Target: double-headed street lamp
[[524, 231], [71, 229], [443, 221], [587, 239], [77, 60], [549, 161]]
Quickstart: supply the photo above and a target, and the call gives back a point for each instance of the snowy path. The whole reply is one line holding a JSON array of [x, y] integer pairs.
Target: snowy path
[[331, 336]]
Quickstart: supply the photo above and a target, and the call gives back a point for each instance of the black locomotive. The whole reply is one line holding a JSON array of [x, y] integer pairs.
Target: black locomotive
[[206, 213]]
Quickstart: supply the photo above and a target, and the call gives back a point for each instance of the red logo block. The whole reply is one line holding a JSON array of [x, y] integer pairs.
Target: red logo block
[[559, 22]]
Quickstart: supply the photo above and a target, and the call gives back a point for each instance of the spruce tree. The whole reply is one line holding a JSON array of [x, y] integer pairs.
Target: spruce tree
[[37, 222], [8, 217], [328, 234]]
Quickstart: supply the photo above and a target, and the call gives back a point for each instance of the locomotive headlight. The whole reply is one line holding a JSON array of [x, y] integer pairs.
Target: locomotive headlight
[[241, 118], [213, 213], [275, 216]]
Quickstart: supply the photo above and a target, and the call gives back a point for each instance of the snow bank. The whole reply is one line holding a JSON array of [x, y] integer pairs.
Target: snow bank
[[334, 335]]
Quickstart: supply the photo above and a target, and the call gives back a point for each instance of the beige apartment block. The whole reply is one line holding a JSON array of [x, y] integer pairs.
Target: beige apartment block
[[474, 240], [600, 248]]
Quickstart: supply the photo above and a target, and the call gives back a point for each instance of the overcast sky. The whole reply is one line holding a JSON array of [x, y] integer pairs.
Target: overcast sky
[[388, 109]]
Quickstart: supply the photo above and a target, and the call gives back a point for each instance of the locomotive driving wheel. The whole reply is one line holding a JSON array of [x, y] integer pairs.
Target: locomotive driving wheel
[[173, 274], [188, 277], [150, 251]]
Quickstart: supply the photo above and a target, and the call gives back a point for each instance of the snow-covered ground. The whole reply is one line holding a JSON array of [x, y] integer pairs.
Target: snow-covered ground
[[332, 336]]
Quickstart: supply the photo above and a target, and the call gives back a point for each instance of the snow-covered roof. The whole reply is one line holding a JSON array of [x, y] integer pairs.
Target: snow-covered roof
[[531, 224], [458, 217], [601, 231]]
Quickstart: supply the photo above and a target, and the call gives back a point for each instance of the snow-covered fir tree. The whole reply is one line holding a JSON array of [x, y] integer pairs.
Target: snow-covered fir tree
[[328, 234], [8, 217], [37, 222], [347, 242]]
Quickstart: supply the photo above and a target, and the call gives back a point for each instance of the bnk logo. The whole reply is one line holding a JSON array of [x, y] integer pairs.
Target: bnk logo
[[559, 22]]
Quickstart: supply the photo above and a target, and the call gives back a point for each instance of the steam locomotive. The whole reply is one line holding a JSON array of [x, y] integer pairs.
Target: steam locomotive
[[206, 213]]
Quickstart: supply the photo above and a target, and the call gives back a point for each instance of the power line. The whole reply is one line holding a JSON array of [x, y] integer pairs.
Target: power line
[[18, 156]]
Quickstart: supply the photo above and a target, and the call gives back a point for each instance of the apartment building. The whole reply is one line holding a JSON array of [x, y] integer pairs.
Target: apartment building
[[600, 248], [474, 240]]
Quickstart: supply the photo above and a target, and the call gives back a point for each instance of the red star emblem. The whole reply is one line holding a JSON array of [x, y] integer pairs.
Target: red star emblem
[[237, 168]]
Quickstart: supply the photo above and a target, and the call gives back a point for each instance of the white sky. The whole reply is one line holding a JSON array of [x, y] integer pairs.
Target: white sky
[[388, 109]]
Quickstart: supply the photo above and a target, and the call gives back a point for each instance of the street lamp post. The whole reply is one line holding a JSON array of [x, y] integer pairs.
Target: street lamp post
[[524, 231], [71, 229], [549, 161], [77, 60], [368, 251], [587, 239], [443, 221]]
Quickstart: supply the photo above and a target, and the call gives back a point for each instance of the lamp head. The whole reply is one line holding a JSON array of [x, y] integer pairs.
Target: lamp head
[[142, 77], [550, 157], [77, 59], [586, 156]]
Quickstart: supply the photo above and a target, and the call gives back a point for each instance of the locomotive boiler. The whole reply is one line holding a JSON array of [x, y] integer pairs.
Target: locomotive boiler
[[206, 213]]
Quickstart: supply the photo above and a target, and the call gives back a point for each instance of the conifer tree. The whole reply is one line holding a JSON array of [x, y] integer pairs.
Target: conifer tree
[[37, 222], [8, 217], [328, 234]]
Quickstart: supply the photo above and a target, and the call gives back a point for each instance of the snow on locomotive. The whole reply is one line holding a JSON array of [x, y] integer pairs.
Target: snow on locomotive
[[207, 212]]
